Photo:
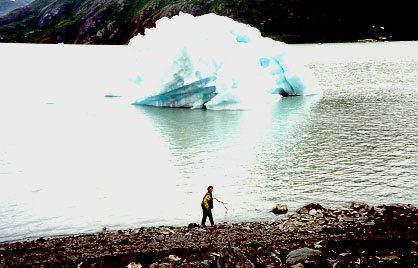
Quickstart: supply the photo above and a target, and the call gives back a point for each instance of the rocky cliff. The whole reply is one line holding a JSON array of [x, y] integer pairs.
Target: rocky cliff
[[292, 21], [8, 5]]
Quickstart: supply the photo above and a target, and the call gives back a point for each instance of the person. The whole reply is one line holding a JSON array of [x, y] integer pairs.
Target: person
[[207, 206]]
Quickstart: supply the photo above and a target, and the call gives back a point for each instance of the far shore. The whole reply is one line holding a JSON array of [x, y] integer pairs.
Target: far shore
[[357, 235]]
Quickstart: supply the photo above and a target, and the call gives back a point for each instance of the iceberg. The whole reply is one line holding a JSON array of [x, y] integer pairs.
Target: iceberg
[[213, 62]]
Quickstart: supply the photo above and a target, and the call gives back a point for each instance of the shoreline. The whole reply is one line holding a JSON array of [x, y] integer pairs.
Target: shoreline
[[357, 235]]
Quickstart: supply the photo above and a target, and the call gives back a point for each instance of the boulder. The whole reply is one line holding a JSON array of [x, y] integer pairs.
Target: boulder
[[193, 225], [280, 209], [313, 212], [300, 255], [307, 208]]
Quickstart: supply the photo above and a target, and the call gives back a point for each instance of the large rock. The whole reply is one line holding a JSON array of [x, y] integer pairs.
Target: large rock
[[307, 208], [300, 255], [280, 209]]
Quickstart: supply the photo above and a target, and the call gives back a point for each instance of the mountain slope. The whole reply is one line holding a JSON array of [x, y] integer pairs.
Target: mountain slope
[[89, 21], [8, 5], [292, 21]]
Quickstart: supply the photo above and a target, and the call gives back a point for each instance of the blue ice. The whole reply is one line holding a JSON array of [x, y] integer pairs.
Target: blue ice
[[195, 94]]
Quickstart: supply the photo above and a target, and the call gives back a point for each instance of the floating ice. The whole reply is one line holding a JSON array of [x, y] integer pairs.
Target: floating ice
[[214, 62]]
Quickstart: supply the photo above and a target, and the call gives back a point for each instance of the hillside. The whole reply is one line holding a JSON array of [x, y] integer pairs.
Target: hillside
[[292, 21], [8, 5]]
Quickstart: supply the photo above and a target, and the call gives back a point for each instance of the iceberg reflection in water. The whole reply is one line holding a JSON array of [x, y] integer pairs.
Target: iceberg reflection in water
[[213, 62]]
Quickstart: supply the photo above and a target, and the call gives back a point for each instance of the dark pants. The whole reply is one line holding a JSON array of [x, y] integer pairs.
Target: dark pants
[[207, 213]]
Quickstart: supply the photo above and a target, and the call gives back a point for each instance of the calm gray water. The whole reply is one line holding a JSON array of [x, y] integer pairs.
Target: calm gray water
[[72, 162]]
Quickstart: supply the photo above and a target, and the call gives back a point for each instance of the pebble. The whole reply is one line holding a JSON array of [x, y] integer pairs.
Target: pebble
[[174, 258], [134, 265]]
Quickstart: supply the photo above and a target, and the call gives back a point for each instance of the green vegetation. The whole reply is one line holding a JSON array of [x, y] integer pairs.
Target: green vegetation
[[291, 21]]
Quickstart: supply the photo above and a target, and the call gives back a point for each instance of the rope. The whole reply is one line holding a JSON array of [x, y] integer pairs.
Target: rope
[[226, 211]]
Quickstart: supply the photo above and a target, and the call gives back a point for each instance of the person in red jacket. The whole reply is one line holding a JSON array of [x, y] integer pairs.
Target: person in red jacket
[[207, 206]]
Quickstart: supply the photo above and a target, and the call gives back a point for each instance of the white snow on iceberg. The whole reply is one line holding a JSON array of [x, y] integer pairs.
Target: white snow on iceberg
[[214, 62]]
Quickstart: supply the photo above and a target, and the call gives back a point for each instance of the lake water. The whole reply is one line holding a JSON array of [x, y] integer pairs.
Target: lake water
[[73, 161]]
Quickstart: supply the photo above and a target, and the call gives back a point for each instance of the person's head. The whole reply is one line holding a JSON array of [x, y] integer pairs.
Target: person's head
[[210, 189]]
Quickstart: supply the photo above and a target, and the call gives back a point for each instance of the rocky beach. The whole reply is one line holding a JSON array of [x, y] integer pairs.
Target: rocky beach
[[355, 235]]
